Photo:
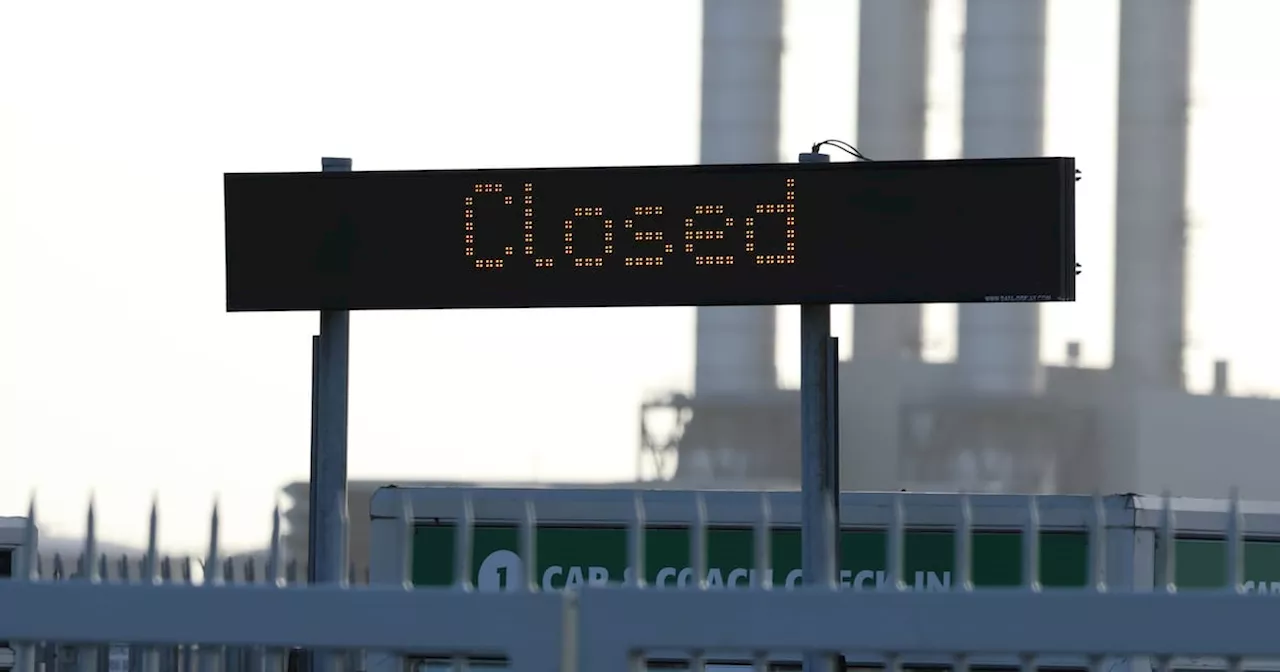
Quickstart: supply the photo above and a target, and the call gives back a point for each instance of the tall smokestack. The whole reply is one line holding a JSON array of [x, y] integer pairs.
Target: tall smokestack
[[741, 109], [998, 346], [1151, 180], [893, 59]]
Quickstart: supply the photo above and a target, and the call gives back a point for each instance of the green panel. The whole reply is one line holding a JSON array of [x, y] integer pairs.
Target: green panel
[[1202, 563], [579, 555]]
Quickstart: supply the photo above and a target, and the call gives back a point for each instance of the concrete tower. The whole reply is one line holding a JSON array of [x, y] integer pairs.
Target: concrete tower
[[1151, 182], [998, 346], [893, 60], [742, 425], [741, 102], [893, 57]]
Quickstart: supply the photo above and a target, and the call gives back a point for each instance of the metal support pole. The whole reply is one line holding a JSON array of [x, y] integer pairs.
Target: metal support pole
[[328, 487], [818, 474], [312, 507], [818, 552], [313, 517], [833, 414]]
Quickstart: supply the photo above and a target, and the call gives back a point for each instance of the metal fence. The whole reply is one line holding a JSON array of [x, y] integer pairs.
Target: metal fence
[[173, 569], [250, 626], [98, 568]]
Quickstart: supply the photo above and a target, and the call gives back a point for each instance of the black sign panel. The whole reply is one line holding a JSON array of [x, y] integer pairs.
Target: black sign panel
[[991, 230]]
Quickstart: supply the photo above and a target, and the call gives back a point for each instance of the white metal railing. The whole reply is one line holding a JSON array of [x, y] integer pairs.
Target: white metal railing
[[607, 627], [204, 620]]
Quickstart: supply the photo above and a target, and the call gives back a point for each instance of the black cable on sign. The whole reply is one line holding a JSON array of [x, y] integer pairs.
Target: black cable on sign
[[841, 145]]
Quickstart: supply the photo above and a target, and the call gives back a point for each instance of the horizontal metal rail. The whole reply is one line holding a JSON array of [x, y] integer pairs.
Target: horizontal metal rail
[[616, 623], [167, 627], [438, 622]]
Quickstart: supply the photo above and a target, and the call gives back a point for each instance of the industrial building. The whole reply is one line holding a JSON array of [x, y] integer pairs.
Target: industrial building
[[996, 419]]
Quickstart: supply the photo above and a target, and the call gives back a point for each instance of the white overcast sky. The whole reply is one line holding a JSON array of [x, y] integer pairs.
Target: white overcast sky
[[121, 374]]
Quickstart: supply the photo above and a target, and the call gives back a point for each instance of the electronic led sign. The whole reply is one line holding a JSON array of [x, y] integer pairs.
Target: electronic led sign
[[987, 230]]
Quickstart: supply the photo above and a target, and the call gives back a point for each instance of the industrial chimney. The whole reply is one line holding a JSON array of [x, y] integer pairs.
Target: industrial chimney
[[998, 346], [1151, 180], [893, 60], [741, 103]]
